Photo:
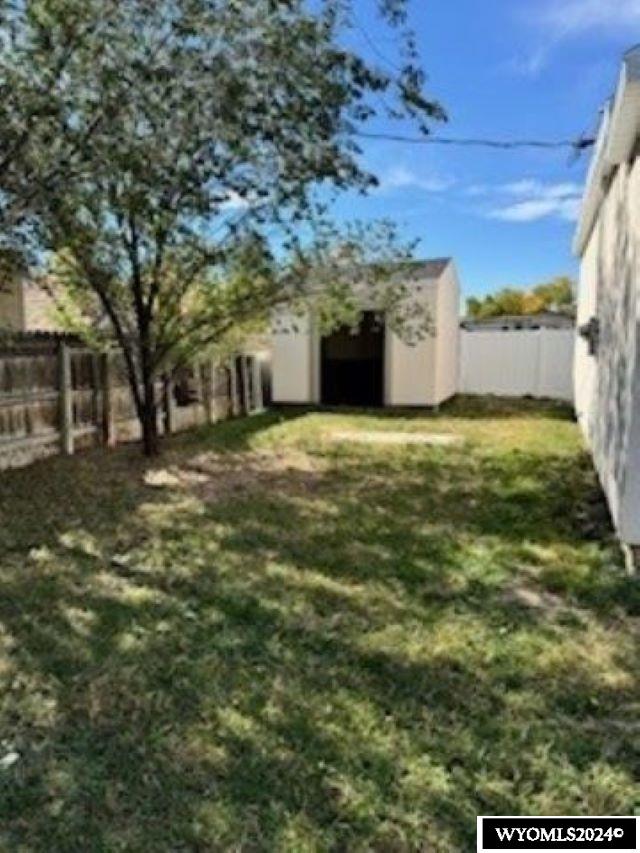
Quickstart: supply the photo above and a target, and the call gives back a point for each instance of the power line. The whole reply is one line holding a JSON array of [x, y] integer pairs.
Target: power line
[[576, 145], [375, 49]]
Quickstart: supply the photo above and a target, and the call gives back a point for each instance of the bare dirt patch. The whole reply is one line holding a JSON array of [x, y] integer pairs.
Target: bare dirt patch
[[533, 599], [397, 438], [214, 476], [549, 605]]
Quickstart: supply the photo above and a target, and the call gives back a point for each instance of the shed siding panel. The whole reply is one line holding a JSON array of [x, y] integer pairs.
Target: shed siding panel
[[293, 367], [410, 375], [447, 336], [410, 372]]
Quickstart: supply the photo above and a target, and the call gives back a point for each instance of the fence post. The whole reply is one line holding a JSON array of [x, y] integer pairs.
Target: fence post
[[540, 342], [208, 376], [246, 382], [96, 416], [257, 385], [201, 391], [234, 388], [169, 406], [66, 399], [109, 435]]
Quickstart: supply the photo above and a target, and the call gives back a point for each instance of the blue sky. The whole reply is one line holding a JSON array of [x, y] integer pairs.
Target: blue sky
[[502, 69]]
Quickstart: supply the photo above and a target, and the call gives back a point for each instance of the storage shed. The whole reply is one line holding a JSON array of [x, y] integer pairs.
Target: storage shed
[[374, 366]]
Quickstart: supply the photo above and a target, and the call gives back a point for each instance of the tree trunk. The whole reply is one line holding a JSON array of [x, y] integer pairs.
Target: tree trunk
[[149, 420]]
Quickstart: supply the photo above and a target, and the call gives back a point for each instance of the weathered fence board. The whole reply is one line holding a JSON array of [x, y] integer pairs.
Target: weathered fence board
[[60, 398]]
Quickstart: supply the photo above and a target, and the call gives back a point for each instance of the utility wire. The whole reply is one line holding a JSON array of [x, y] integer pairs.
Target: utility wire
[[577, 145], [376, 50]]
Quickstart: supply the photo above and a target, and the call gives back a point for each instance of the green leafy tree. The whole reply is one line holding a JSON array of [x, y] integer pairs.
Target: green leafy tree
[[41, 109], [558, 295], [188, 130]]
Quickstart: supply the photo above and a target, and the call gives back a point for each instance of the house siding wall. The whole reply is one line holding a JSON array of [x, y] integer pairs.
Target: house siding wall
[[11, 316], [607, 386], [26, 307], [38, 309]]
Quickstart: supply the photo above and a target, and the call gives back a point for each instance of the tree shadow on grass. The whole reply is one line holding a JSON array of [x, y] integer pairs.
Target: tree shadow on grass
[[326, 666], [500, 408], [179, 735], [237, 434]]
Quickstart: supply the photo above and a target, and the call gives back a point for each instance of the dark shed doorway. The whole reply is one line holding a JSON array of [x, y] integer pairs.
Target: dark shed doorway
[[352, 364]]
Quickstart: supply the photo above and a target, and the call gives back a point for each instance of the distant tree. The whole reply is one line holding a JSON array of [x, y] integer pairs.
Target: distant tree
[[187, 129], [556, 295], [474, 306]]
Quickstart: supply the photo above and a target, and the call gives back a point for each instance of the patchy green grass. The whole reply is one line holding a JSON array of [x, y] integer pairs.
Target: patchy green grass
[[295, 643]]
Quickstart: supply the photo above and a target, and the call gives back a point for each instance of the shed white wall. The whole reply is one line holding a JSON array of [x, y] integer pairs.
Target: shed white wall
[[292, 360], [607, 386], [420, 375], [518, 363], [447, 336], [410, 371]]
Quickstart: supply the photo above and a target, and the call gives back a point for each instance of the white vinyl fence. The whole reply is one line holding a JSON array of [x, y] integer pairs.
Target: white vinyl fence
[[518, 363]]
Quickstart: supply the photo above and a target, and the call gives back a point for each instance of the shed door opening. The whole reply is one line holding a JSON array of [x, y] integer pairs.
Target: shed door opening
[[353, 364]]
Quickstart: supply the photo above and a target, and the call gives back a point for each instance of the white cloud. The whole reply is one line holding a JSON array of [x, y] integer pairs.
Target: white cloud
[[401, 177], [530, 65], [571, 17], [559, 20], [526, 186], [529, 200], [536, 209], [538, 189]]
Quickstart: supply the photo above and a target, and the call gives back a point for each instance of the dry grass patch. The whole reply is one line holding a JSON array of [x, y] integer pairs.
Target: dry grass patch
[[219, 476], [396, 438]]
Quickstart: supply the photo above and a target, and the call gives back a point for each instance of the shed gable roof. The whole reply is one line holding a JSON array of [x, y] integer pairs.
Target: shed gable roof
[[429, 268]]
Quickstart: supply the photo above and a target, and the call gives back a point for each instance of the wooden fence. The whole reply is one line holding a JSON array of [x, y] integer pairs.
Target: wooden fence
[[59, 398]]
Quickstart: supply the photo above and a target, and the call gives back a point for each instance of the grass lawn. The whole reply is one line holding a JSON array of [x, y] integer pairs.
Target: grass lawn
[[282, 640]]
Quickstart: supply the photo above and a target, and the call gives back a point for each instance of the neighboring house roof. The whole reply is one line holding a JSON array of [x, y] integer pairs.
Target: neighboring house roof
[[544, 320], [618, 134]]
